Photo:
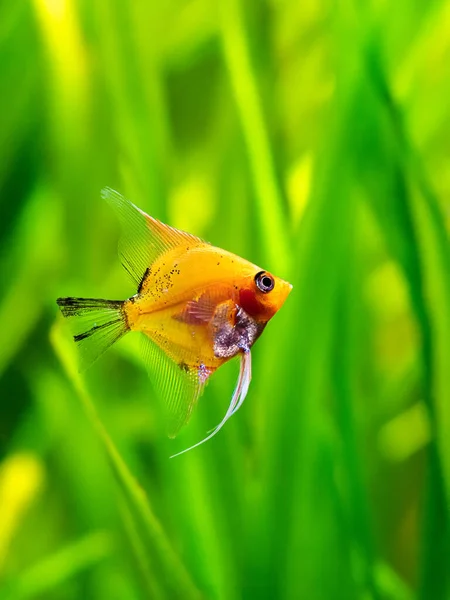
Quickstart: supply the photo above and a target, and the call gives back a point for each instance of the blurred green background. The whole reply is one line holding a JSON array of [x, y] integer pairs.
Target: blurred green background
[[310, 137]]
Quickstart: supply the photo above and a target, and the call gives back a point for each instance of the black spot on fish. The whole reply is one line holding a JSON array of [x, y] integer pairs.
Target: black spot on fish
[[144, 277], [183, 366], [92, 330]]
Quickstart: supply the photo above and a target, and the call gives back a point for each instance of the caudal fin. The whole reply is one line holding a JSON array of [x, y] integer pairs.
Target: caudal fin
[[97, 325]]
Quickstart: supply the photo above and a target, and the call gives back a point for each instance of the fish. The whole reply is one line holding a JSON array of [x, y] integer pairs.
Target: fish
[[196, 306]]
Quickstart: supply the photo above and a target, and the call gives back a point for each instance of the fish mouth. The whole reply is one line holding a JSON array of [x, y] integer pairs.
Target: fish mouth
[[285, 290], [288, 287]]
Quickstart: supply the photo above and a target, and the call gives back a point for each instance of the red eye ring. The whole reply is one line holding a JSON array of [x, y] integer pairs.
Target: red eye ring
[[264, 281]]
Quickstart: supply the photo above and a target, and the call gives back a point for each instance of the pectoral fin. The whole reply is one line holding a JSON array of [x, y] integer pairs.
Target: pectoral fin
[[198, 312]]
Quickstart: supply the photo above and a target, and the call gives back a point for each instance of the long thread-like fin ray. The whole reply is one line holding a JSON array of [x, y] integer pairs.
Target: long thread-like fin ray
[[247, 368], [237, 399], [144, 238]]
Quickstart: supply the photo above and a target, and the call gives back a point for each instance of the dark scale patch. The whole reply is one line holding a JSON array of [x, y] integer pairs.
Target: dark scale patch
[[230, 339], [161, 282], [184, 366]]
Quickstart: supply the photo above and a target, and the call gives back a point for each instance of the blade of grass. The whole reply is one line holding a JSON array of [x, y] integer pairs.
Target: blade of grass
[[32, 260], [133, 85], [273, 222], [345, 392], [174, 576], [302, 508], [64, 564], [391, 586], [142, 558], [426, 261]]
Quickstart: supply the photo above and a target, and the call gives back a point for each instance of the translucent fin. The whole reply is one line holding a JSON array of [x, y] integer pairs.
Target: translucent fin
[[96, 324], [179, 385], [144, 238], [198, 312], [246, 367], [240, 392]]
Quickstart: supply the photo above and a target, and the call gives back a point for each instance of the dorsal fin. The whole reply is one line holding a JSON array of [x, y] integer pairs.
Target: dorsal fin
[[144, 238]]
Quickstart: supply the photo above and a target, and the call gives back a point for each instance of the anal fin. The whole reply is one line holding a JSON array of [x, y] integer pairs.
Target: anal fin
[[179, 385]]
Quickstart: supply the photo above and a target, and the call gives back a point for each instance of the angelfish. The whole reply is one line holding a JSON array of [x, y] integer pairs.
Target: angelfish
[[198, 306]]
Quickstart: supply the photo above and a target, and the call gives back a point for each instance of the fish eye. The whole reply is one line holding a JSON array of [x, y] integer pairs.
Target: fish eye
[[264, 281]]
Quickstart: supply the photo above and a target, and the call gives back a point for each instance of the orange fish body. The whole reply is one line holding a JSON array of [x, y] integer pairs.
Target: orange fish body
[[184, 293], [197, 305]]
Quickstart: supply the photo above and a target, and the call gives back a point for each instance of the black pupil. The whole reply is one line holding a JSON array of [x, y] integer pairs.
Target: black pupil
[[266, 282]]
